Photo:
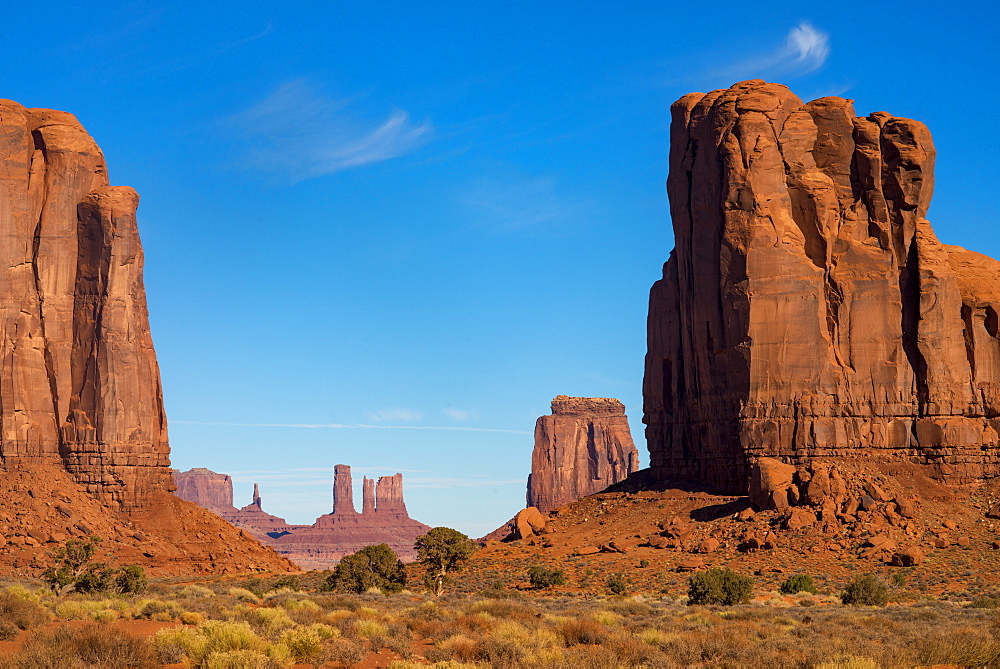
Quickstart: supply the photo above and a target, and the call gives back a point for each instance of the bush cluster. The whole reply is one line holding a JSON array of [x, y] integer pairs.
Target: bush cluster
[[543, 577], [719, 586]]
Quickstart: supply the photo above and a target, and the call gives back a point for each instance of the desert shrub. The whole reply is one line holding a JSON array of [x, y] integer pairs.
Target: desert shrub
[[237, 659], [20, 611], [367, 629], [796, 584], [985, 603], [305, 644], [194, 590], [192, 618], [291, 582], [371, 567], [173, 645], [8, 630], [343, 651], [89, 646], [104, 615], [155, 609], [719, 586], [131, 580], [963, 647], [865, 590], [617, 584], [244, 595], [543, 577], [499, 652], [579, 630], [269, 621]]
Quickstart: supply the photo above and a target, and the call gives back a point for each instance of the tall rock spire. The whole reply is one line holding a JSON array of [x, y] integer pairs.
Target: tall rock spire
[[389, 495], [368, 495], [343, 490]]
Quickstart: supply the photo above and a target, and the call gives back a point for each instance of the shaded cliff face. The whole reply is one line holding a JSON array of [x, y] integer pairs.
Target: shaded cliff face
[[79, 383], [581, 449], [808, 310]]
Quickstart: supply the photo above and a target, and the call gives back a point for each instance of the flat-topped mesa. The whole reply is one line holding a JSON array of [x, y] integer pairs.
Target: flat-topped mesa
[[205, 488], [808, 311], [582, 448], [79, 382], [389, 496], [343, 491]]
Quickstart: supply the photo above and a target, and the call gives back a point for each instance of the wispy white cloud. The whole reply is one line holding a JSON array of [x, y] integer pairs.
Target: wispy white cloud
[[361, 426], [396, 414], [519, 203], [459, 415], [304, 134], [805, 49]]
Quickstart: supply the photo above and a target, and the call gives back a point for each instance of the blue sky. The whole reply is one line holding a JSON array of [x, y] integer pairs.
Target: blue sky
[[387, 234]]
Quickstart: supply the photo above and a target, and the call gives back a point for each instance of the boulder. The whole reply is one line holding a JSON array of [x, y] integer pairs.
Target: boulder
[[798, 518], [909, 557], [587, 550], [691, 564], [709, 545], [770, 483]]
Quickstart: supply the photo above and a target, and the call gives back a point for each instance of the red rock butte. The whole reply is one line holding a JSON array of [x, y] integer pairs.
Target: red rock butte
[[80, 403], [383, 518], [808, 311], [583, 447]]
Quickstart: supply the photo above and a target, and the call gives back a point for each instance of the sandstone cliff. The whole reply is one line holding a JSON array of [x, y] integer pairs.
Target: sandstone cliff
[[80, 399], [205, 488], [808, 311], [582, 448]]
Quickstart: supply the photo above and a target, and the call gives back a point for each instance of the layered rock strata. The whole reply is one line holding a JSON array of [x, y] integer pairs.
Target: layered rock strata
[[808, 311], [80, 399], [581, 448]]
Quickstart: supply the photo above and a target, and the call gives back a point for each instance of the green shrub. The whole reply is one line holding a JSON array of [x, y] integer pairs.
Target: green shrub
[[543, 577], [643, 564], [371, 567], [985, 603], [617, 584], [796, 584], [866, 590], [719, 586], [131, 580]]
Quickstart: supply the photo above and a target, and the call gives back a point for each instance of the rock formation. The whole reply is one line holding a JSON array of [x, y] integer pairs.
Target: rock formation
[[383, 518], [205, 488], [80, 398], [808, 311], [582, 448]]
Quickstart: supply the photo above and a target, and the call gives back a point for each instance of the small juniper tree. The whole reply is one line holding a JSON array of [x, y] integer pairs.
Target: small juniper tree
[[543, 577], [796, 584], [443, 550], [719, 586], [866, 590], [371, 567], [73, 565]]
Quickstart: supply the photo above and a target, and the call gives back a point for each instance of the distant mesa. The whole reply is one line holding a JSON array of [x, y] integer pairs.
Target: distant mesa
[[81, 409], [383, 517]]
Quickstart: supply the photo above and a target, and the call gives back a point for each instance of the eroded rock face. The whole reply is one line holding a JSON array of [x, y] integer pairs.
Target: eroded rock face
[[581, 448], [81, 409], [79, 383], [808, 311]]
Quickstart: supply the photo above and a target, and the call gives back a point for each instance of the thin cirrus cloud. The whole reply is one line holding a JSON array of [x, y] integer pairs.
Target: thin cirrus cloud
[[519, 204], [396, 414], [352, 426], [303, 134], [805, 50]]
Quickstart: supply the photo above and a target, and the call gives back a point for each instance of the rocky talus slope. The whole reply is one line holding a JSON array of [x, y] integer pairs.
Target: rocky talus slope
[[81, 411], [808, 310]]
